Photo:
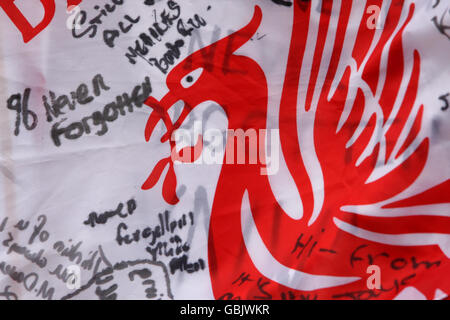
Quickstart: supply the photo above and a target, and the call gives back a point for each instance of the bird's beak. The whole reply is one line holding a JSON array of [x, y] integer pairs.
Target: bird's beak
[[160, 109]]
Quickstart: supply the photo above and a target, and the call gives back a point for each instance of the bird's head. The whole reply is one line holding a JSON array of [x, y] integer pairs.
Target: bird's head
[[214, 73]]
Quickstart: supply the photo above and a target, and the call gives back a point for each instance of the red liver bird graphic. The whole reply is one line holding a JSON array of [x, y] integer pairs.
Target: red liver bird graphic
[[365, 119]]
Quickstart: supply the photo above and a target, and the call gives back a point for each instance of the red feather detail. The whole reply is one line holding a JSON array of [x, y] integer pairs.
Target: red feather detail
[[436, 194], [169, 187], [156, 174]]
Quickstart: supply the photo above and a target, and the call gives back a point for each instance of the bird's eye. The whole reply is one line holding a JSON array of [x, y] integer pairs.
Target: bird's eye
[[191, 77]]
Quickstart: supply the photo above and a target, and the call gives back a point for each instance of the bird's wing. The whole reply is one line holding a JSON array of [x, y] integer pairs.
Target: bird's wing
[[359, 84]]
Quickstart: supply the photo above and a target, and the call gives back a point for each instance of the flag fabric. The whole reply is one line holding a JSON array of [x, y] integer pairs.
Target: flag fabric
[[260, 149]]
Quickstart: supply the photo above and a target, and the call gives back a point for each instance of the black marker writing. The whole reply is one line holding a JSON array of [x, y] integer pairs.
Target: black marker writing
[[95, 218], [19, 103], [444, 99], [110, 113]]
